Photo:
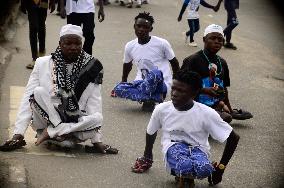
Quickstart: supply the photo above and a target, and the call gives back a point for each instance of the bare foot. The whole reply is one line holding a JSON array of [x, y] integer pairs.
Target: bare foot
[[44, 136]]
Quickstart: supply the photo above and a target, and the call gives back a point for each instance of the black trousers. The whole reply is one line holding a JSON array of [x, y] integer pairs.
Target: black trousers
[[193, 28], [232, 22], [37, 18], [87, 20]]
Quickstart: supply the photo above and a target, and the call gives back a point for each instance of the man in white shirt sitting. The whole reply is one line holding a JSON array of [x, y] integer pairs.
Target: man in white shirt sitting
[[148, 53], [63, 98], [186, 126]]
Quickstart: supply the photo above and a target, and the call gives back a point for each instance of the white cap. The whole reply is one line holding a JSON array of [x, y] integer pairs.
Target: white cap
[[71, 29], [213, 28]]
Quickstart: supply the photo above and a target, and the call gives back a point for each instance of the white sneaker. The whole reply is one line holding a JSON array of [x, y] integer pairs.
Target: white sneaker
[[192, 44]]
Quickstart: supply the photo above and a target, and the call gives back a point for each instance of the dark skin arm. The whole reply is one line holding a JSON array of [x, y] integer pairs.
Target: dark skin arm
[[209, 91], [184, 5], [175, 65], [101, 14], [150, 140], [229, 150], [212, 92], [126, 70], [226, 100], [207, 5]]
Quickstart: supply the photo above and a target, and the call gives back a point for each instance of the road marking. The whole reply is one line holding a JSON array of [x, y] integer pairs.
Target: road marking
[[17, 174], [16, 94]]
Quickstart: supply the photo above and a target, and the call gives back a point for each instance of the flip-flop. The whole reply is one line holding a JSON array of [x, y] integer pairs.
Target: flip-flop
[[11, 145], [240, 114], [107, 150]]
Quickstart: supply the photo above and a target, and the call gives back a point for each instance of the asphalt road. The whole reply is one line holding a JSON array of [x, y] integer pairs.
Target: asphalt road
[[256, 70]]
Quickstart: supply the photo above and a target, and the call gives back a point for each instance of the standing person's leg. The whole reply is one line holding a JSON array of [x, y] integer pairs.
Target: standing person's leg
[[88, 31], [196, 25], [42, 30], [188, 32], [232, 22], [33, 32], [74, 19], [191, 24], [129, 4], [139, 3]]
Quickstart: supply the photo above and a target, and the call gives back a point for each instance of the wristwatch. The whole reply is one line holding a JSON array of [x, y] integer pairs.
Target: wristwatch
[[221, 166]]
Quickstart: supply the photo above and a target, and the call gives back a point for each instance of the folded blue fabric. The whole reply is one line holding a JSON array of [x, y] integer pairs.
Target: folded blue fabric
[[152, 88], [185, 160]]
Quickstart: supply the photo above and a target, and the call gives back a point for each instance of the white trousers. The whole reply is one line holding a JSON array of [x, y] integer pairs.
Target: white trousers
[[88, 127]]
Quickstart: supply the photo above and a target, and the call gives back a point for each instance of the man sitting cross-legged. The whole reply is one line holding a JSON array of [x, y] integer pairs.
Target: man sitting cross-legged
[[152, 56], [63, 97], [186, 126]]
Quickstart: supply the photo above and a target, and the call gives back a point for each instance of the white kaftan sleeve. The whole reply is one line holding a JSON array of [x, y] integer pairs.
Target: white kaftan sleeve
[[24, 113]]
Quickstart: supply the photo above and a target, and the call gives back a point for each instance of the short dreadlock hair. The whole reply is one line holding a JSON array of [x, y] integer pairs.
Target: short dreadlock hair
[[190, 78], [146, 16]]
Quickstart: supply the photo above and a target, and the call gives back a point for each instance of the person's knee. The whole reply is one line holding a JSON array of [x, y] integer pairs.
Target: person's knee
[[204, 171]]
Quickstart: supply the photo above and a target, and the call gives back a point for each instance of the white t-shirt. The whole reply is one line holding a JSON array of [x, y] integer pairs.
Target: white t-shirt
[[81, 6], [153, 55], [192, 126], [192, 7]]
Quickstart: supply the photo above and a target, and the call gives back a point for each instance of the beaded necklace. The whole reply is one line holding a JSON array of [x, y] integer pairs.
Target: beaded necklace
[[210, 64]]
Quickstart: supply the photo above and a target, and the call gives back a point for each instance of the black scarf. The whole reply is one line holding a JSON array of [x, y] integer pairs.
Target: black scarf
[[65, 84]]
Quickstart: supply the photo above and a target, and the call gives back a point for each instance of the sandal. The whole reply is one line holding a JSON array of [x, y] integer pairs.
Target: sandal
[[113, 94], [240, 114], [107, 150], [142, 164], [11, 145], [31, 65]]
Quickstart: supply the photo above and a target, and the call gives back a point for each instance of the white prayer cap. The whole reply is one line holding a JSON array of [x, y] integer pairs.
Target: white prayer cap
[[213, 28], [71, 29]]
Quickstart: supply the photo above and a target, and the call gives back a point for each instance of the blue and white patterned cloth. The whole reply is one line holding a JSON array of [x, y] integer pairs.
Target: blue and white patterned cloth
[[152, 88], [184, 160]]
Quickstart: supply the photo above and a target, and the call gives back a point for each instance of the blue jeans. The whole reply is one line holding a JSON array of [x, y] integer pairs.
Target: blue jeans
[[184, 161], [193, 28]]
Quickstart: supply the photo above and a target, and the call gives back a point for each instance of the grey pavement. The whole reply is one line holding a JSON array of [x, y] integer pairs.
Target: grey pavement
[[256, 70]]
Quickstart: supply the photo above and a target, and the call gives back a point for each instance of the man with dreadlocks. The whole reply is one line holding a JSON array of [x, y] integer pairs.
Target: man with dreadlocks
[[152, 56], [62, 97]]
